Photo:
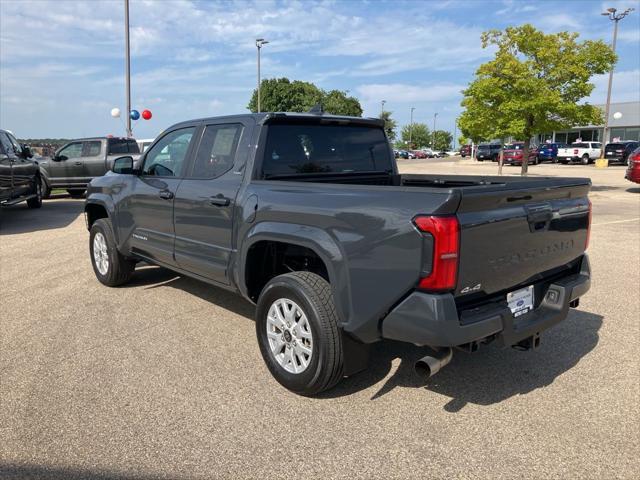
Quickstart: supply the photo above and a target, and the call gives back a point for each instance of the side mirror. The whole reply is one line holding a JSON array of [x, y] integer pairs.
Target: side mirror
[[26, 151], [123, 165], [59, 158]]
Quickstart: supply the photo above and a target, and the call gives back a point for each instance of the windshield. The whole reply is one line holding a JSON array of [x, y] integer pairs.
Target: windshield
[[122, 145], [312, 148], [580, 145]]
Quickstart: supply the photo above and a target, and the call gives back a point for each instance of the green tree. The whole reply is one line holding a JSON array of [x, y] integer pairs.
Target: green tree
[[462, 140], [442, 140], [284, 95], [533, 85], [389, 125], [338, 103], [417, 134]]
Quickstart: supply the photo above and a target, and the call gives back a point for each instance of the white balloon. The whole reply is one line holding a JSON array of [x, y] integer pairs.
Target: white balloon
[[115, 112], [617, 115]]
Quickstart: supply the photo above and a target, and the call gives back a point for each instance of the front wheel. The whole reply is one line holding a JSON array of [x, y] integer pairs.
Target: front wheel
[[298, 334], [110, 267]]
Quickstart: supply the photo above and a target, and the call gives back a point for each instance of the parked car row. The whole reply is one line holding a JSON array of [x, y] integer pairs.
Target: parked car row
[[578, 152]]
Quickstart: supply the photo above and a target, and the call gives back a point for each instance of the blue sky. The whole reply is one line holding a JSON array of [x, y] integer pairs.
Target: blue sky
[[62, 62]]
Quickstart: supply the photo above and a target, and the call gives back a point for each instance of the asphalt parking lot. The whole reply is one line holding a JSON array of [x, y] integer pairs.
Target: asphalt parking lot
[[163, 378]]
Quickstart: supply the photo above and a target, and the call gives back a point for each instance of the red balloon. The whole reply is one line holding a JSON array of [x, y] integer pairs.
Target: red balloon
[[146, 114]]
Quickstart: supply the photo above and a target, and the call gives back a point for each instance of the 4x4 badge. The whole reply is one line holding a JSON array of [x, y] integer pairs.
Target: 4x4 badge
[[475, 288]]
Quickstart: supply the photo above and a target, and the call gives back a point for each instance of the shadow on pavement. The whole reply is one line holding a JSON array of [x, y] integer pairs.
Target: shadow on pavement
[[633, 190], [44, 472], [489, 376], [155, 277], [56, 213]]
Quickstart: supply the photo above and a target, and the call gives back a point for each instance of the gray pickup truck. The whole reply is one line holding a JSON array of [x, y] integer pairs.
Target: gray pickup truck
[[74, 165], [307, 216]]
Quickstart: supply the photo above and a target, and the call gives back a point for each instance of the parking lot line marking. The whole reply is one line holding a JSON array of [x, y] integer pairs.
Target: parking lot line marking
[[617, 221]]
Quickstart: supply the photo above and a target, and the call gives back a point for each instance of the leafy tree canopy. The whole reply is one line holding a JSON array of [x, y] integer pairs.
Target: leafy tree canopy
[[389, 125], [417, 134], [533, 84], [442, 140], [283, 95]]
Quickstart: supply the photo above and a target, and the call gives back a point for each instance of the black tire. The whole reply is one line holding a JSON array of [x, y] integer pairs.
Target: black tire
[[555, 159], [36, 202], [585, 160], [120, 269], [46, 190], [313, 295], [76, 192]]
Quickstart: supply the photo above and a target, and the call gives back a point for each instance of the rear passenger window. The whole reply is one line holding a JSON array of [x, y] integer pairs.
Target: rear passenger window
[[217, 150], [92, 149]]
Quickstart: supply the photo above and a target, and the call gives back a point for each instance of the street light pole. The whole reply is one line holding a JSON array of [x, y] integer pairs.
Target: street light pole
[[435, 115], [382, 108], [127, 68], [259, 43], [615, 18], [411, 128]]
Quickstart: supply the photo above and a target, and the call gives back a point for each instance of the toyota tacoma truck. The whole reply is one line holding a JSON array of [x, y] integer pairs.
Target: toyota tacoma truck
[[307, 216], [74, 165]]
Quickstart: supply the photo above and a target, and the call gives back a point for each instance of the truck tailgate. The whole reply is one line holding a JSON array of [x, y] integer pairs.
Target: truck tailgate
[[511, 236]]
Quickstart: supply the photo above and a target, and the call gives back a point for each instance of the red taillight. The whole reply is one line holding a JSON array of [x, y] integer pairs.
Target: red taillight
[[575, 151], [586, 245], [446, 246], [636, 158]]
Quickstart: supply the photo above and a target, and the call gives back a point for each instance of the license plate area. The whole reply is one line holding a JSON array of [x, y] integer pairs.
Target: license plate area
[[520, 301]]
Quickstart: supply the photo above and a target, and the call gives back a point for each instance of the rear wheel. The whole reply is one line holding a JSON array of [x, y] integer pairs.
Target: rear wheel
[[298, 334], [36, 202], [76, 192], [46, 191], [111, 268], [585, 160]]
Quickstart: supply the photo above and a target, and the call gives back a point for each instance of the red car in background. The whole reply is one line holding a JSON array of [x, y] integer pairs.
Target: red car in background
[[419, 154], [633, 170], [465, 151], [514, 153]]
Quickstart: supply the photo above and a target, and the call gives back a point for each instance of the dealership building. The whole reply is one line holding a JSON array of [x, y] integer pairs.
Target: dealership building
[[626, 127]]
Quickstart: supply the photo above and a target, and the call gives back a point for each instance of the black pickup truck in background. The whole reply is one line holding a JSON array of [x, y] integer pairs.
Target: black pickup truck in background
[[74, 165], [19, 174], [307, 216]]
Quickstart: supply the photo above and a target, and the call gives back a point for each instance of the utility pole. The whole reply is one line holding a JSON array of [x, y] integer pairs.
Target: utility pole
[[259, 43], [615, 18], [127, 68], [455, 133], [411, 128], [382, 108]]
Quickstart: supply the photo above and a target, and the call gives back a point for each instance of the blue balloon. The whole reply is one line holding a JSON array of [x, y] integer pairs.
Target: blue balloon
[[134, 114]]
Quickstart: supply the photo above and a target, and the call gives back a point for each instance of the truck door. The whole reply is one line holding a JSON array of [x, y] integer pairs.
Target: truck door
[[7, 157], [67, 164], [205, 201], [94, 159], [147, 210]]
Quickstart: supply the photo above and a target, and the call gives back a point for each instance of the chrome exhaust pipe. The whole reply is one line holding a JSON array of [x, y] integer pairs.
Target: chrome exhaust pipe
[[429, 365]]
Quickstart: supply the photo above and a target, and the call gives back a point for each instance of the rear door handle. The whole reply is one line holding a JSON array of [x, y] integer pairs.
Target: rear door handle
[[166, 194], [78, 163], [220, 200]]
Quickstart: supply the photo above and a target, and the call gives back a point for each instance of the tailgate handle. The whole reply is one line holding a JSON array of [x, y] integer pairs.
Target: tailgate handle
[[539, 218]]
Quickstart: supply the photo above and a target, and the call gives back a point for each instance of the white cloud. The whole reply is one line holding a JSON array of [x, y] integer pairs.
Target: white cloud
[[625, 87], [406, 93]]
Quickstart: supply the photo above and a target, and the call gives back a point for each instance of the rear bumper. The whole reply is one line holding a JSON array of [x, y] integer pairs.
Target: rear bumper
[[434, 320]]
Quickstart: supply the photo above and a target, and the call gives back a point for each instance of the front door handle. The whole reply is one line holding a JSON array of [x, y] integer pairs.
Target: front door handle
[[166, 194], [78, 163], [220, 200]]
